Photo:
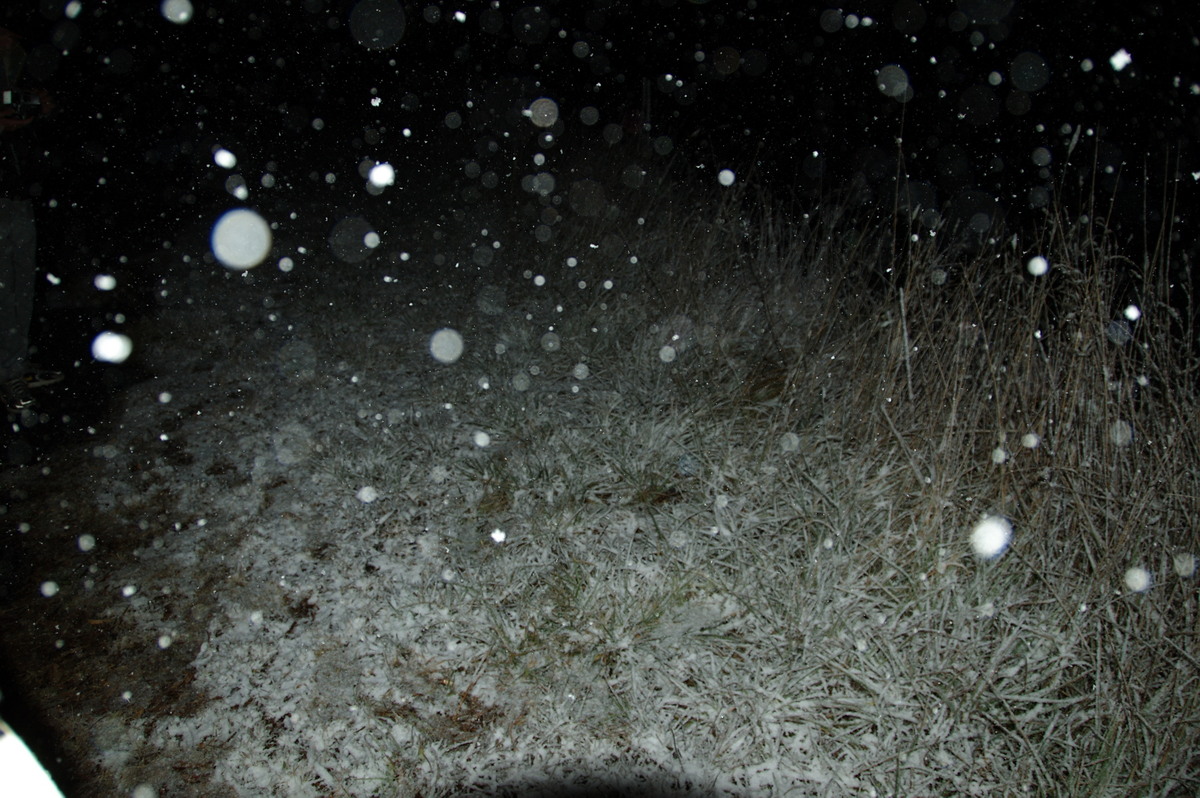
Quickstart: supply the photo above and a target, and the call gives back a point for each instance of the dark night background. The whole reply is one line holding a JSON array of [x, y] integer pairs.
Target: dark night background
[[788, 86]]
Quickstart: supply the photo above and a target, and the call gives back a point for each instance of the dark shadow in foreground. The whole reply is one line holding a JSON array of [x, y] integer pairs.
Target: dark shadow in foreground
[[599, 785]]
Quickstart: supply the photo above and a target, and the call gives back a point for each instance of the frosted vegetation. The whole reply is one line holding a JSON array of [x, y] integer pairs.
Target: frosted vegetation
[[696, 510]]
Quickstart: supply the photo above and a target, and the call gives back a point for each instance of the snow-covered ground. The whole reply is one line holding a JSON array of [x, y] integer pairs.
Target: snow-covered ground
[[640, 536]]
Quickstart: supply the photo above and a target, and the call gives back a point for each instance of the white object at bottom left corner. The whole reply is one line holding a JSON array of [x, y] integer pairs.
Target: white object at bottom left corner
[[23, 774]]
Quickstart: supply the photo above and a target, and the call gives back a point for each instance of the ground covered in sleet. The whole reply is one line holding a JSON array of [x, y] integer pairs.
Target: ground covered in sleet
[[653, 530]]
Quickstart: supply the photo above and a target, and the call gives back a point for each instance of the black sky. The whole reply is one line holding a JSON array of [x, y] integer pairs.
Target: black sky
[[794, 86]]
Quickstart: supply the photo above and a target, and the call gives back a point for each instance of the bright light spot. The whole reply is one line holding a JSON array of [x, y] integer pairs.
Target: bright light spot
[[1120, 59], [1031, 440], [726, 177], [224, 158], [129, 590], [999, 456], [581, 371], [164, 641], [381, 175], [111, 347], [49, 589], [991, 537], [177, 11], [165, 398], [482, 439], [241, 239], [366, 494], [446, 345], [1038, 266], [551, 342], [667, 354], [86, 542], [1185, 565], [236, 186], [1137, 579], [498, 535], [1133, 312], [104, 282]]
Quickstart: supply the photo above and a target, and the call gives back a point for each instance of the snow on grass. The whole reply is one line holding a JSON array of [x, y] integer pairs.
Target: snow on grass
[[748, 570]]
